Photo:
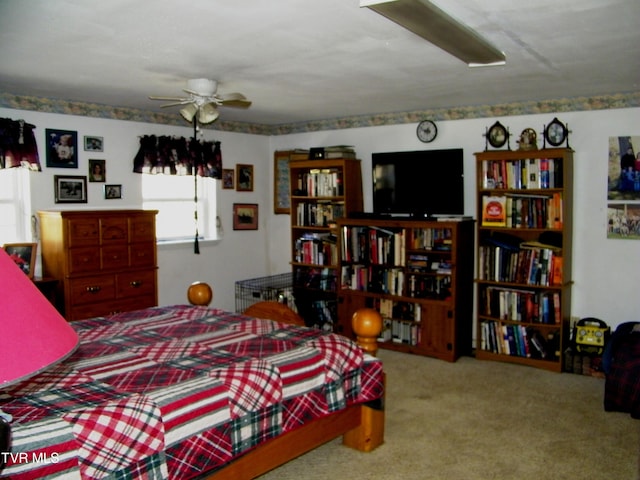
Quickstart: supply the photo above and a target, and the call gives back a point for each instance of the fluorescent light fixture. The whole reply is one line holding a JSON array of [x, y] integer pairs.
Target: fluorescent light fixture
[[436, 26]]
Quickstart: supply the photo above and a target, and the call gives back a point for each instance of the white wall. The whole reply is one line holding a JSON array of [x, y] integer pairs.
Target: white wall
[[606, 272], [239, 255]]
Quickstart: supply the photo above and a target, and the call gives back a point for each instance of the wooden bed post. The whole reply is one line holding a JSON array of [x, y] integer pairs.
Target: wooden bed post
[[367, 324], [200, 293]]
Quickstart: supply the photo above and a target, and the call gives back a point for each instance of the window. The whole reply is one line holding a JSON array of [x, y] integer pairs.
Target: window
[[173, 197], [15, 206]]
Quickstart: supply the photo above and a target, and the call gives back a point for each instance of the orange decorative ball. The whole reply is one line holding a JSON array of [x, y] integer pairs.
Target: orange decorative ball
[[366, 322], [200, 293]]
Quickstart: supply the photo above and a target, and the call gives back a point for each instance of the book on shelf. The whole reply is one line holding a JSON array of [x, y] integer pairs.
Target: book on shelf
[[334, 151], [452, 218], [299, 154], [525, 174], [339, 154], [494, 212]]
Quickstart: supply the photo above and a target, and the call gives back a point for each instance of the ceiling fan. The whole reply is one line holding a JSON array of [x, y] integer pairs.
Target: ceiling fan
[[203, 100]]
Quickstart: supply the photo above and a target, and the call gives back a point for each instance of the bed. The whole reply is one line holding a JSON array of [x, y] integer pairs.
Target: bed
[[189, 391]]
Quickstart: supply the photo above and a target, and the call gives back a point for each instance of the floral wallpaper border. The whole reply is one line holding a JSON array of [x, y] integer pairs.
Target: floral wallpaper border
[[602, 102]]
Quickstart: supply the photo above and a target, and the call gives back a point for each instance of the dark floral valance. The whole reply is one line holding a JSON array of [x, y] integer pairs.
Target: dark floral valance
[[18, 146], [178, 156]]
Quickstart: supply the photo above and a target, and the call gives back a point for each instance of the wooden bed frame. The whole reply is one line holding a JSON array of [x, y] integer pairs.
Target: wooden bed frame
[[361, 426]]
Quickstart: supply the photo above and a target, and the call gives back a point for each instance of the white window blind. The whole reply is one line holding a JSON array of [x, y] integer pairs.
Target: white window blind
[[173, 197], [15, 206]]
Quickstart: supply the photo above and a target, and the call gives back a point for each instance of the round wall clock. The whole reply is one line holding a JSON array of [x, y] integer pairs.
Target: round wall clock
[[556, 132], [528, 139], [427, 131], [497, 135]]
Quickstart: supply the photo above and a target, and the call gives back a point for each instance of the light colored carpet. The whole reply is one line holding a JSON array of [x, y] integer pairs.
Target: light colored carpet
[[480, 420]]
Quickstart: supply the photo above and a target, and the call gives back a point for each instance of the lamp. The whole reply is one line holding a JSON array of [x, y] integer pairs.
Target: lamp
[[35, 336], [189, 111], [208, 113], [434, 25]]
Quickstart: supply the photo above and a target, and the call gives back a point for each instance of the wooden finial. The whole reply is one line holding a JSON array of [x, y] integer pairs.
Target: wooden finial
[[367, 324], [200, 293]]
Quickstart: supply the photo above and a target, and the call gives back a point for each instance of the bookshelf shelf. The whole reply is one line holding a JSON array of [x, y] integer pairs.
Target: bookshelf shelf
[[417, 274], [321, 192], [523, 234]]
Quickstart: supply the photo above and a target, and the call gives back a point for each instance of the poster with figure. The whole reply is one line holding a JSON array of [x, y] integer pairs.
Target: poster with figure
[[623, 188]]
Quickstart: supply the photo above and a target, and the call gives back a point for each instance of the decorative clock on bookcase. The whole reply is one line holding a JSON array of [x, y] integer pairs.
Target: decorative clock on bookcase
[[497, 135], [556, 133]]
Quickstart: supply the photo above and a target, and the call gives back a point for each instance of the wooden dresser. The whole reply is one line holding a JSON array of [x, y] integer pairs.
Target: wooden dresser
[[105, 260]]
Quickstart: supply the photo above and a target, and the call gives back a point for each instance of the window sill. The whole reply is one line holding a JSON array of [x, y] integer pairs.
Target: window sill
[[187, 242]]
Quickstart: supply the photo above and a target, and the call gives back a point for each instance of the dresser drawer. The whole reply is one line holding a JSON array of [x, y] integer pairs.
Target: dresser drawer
[[83, 231], [94, 289], [114, 230], [136, 284], [143, 228], [115, 257], [84, 260], [143, 254], [103, 309]]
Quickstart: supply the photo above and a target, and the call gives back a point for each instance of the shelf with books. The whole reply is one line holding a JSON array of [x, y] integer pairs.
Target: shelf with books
[[524, 251], [417, 274], [321, 192]]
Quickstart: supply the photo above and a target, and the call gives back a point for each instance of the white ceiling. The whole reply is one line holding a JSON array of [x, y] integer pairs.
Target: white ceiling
[[303, 60]]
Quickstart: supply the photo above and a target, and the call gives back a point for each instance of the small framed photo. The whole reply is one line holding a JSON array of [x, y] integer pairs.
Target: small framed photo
[[62, 148], [245, 216], [228, 179], [97, 171], [70, 189], [244, 178], [281, 183], [93, 144], [24, 255], [112, 192]]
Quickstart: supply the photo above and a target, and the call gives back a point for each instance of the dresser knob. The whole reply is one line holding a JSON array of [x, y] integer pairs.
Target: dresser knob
[[93, 289]]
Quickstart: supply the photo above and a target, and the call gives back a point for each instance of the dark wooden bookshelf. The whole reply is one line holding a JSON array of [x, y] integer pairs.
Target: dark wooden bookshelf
[[418, 274], [321, 192], [523, 280]]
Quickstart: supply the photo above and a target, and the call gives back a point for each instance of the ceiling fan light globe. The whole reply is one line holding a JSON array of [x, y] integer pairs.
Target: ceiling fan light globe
[[188, 112], [208, 113]]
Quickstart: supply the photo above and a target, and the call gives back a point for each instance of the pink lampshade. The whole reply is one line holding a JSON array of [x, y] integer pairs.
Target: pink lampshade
[[34, 335]]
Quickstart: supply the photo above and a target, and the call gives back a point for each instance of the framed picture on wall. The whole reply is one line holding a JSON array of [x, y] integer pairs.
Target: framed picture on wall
[[24, 256], [244, 178], [70, 189], [281, 183], [97, 171], [112, 192], [245, 216], [228, 182], [62, 148], [93, 144]]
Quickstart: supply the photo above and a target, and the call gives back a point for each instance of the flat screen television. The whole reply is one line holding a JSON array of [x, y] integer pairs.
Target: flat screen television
[[422, 183]]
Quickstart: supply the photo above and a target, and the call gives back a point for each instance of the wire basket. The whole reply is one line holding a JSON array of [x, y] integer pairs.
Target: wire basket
[[277, 288]]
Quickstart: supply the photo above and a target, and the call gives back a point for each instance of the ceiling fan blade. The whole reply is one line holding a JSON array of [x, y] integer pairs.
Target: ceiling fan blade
[[175, 99], [235, 99], [237, 103], [173, 104]]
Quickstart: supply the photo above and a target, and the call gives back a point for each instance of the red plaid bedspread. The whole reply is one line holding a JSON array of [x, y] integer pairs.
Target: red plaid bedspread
[[171, 392]]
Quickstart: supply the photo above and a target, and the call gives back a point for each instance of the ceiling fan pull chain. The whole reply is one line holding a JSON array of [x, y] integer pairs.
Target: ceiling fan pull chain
[[196, 244]]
